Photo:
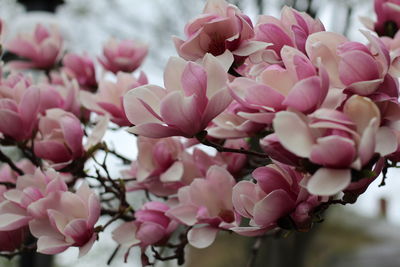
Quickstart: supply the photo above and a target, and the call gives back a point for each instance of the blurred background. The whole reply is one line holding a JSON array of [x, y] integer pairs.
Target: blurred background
[[364, 234]]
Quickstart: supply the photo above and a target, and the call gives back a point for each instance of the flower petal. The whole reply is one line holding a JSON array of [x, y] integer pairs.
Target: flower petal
[[328, 182]]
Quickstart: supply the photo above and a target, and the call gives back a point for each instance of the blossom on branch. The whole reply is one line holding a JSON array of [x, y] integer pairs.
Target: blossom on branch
[[40, 49]]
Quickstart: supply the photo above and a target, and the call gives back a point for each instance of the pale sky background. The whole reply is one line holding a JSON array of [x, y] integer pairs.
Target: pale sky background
[[88, 24]]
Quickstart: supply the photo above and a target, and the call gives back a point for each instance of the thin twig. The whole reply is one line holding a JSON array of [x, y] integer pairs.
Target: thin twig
[[202, 138], [125, 160], [5, 159], [113, 254], [8, 184]]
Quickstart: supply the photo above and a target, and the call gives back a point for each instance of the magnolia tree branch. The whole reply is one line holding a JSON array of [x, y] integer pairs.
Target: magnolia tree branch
[[5, 159], [202, 138]]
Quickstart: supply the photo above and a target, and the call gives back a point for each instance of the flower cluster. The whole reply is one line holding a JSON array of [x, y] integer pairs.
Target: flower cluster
[[258, 128]]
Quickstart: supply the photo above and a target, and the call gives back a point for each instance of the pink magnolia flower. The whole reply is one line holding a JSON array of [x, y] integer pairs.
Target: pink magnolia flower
[[14, 86], [274, 149], [41, 49], [12, 239], [81, 68], [18, 118], [60, 138], [14, 210], [221, 27], [151, 227], [63, 219], [65, 97], [9, 175], [337, 141], [194, 95], [291, 30], [109, 97], [229, 124], [276, 196], [159, 167], [300, 86], [206, 201], [163, 166], [388, 17], [126, 55], [351, 65], [51, 96]]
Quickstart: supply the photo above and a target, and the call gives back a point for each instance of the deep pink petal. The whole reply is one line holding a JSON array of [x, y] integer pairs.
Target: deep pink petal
[[275, 205], [333, 151], [182, 113]]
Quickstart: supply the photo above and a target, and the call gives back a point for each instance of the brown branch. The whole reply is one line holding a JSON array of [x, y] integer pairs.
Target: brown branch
[[5, 159], [29, 154], [202, 138], [113, 254], [125, 160], [121, 214], [8, 184]]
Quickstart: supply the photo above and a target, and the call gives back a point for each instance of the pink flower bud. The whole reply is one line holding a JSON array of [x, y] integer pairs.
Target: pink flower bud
[[41, 48], [60, 138], [82, 69], [18, 118], [109, 98], [125, 55], [151, 227], [388, 17]]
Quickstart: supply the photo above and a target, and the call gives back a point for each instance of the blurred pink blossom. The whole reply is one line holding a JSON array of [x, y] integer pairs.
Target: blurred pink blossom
[[276, 194], [41, 49], [221, 27], [206, 201], [30, 188], [82, 69], [151, 227], [109, 97], [126, 55], [18, 118], [63, 219], [60, 137]]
